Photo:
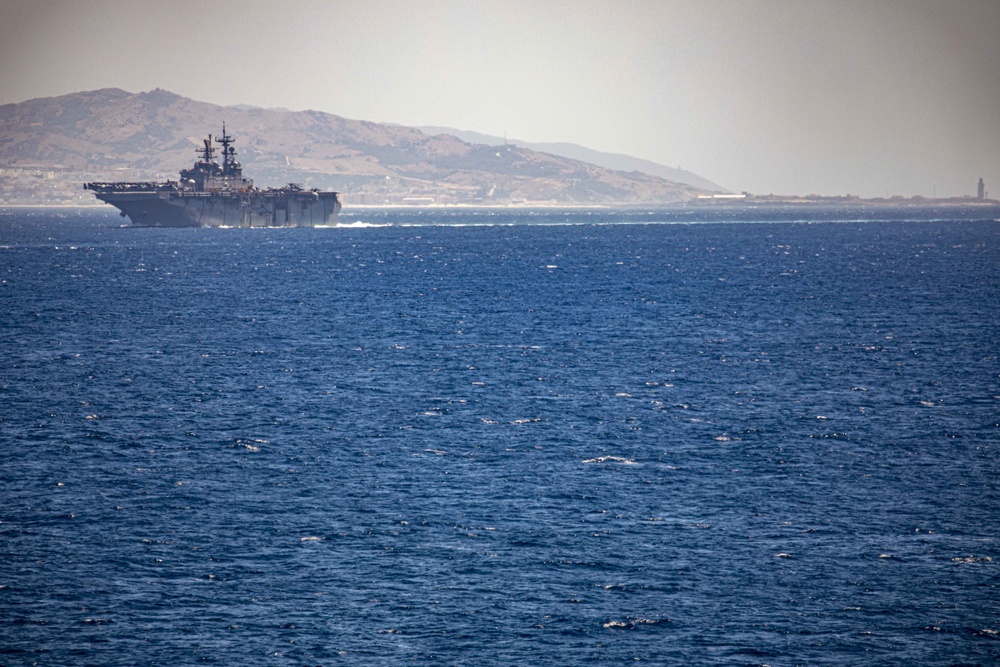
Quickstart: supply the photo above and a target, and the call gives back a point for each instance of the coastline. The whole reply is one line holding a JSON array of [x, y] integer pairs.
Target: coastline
[[782, 202]]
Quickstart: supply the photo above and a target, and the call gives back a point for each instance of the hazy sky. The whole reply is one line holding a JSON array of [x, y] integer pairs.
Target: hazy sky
[[869, 97]]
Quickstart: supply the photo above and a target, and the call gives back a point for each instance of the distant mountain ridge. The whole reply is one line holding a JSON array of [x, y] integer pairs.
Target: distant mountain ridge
[[112, 134], [615, 161]]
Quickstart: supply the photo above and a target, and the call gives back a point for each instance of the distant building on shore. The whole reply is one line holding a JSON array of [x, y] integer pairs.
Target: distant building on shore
[[982, 190]]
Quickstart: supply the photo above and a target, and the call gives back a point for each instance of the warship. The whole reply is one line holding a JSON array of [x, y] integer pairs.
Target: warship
[[213, 195]]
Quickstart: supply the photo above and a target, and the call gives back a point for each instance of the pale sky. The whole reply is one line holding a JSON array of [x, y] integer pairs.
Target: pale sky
[[869, 97]]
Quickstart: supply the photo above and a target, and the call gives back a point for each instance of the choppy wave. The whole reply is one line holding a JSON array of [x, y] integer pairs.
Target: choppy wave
[[688, 444], [613, 459]]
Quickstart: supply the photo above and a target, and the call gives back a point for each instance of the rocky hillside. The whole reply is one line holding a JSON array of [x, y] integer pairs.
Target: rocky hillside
[[615, 161], [49, 146]]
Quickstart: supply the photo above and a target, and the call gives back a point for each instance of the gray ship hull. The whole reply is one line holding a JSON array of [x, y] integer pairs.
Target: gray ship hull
[[261, 208]]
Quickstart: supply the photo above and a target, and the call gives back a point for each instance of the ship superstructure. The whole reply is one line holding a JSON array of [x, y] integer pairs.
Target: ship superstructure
[[213, 195]]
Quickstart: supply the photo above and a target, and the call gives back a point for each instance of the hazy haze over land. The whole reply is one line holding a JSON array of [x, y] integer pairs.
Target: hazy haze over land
[[891, 97]]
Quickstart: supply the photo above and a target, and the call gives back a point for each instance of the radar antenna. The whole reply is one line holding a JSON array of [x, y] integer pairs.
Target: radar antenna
[[208, 152]]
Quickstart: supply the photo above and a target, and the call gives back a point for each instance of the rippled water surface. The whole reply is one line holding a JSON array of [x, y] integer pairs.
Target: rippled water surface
[[454, 438]]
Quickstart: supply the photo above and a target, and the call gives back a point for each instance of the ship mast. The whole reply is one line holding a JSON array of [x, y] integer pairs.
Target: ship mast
[[208, 152], [230, 166]]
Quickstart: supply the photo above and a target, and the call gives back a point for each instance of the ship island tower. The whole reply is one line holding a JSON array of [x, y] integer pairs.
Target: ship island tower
[[981, 194]]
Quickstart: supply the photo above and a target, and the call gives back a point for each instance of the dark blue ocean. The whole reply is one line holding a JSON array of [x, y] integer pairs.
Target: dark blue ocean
[[548, 438]]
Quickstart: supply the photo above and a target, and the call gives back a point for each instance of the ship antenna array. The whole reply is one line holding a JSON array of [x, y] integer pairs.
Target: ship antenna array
[[228, 152]]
